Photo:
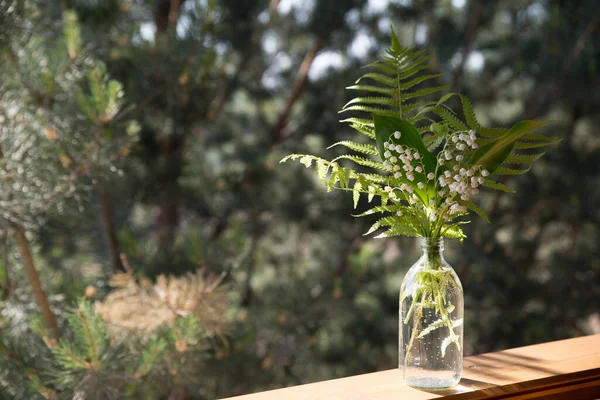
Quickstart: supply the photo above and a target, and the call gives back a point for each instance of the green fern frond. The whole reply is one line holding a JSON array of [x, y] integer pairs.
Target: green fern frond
[[416, 81], [424, 92], [471, 206], [497, 186], [359, 121], [381, 66], [410, 72], [522, 145], [399, 230], [523, 158], [410, 107], [511, 171], [453, 231], [365, 130], [433, 142], [469, 112], [365, 162], [383, 222], [531, 145], [373, 89], [367, 149], [371, 110], [449, 117], [382, 209], [384, 101], [374, 76]]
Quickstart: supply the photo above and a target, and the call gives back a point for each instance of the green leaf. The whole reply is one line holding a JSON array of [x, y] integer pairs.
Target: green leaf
[[373, 89], [385, 128], [523, 158], [416, 81], [372, 110], [471, 206], [491, 155], [497, 186], [385, 221], [468, 112], [382, 209], [395, 43], [359, 147], [385, 101], [399, 230], [365, 162], [424, 92], [377, 77], [359, 121], [356, 193], [72, 33], [453, 231], [511, 171]]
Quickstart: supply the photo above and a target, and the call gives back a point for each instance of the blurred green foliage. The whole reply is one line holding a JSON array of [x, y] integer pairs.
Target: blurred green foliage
[[179, 111]]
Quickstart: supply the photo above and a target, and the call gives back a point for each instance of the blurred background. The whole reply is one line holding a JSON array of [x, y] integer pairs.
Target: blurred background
[[153, 247]]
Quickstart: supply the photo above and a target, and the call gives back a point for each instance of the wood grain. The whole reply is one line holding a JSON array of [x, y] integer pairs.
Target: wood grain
[[555, 370]]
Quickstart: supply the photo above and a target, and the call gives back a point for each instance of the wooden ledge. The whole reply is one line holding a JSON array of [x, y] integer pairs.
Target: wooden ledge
[[555, 370]]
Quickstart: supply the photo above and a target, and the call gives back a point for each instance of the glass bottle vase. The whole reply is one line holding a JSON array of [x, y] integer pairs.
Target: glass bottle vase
[[431, 317]]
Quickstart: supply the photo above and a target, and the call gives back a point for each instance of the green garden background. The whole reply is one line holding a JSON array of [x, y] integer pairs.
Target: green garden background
[[152, 246]]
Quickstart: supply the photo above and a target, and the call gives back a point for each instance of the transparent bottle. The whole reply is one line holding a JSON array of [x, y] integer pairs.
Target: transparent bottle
[[431, 321]]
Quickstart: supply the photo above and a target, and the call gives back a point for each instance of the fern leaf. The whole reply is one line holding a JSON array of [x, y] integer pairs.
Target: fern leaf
[[469, 112], [521, 145], [365, 162], [523, 158], [433, 142], [382, 66], [491, 132], [365, 130], [511, 171], [452, 338], [359, 121], [367, 149], [383, 222], [535, 136], [356, 193], [431, 327], [450, 118], [399, 230], [424, 92], [410, 107], [383, 209], [383, 101], [373, 89], [453, 231], [372, 110], [405, 74], [386, 80], [471, 206], [416, 81], [531, 145], [497, 186]]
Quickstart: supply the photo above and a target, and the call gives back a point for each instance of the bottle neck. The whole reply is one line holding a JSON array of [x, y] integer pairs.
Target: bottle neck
[[433, 252]]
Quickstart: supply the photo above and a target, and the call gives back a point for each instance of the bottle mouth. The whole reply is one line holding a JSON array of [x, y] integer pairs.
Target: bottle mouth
[[432, 244]]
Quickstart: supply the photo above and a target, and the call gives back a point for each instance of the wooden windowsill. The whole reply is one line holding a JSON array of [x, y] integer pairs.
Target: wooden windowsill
[[555, 370]]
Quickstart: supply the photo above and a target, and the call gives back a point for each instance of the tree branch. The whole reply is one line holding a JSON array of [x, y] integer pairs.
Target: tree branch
[[580, 43], [223, 96], [301, 80], [5, 282], [109, 228], [34, 279], [471, 35], [533, 109]]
